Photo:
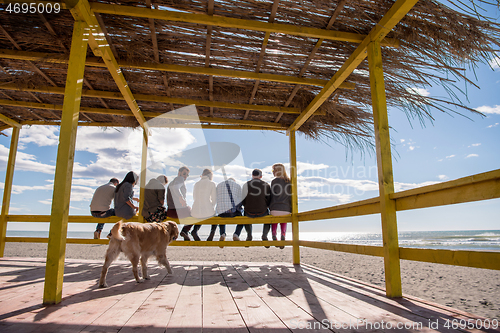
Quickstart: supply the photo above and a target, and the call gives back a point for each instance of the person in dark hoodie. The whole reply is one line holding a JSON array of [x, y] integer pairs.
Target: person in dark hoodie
[[257, 196], [153, 209]]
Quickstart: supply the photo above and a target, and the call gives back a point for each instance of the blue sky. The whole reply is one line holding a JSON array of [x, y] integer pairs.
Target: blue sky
[[448, 148]]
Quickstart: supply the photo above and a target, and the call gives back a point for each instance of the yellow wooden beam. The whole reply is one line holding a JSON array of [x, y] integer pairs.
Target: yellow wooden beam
[[478, 259], [228, 22], [145, 114], [379, 31], [295, 198], [202, 125], [7, 189], [64, 167], [95, 62], [99, 45], [482, 186], [377, 251], [160, 99], [385, 175], [358, 208], [9, 121]]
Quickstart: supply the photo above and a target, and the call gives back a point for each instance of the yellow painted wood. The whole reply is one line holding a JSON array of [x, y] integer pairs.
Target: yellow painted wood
[[295, 198], [95, 62], [473, 188], [154, 98], [229, 22], [222, 121], [142, 180], [377, 251], [385, 175], [358, 208], [9, 121], [7, 189], [379, 31], [64, 167], [99, 45], [478, 259], [189, 220], [203, 125]]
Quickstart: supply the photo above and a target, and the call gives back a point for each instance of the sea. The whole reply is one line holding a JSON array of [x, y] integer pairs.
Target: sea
[[476, 240]]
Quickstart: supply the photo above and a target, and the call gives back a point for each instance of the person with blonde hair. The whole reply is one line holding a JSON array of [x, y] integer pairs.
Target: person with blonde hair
[[281, 198]]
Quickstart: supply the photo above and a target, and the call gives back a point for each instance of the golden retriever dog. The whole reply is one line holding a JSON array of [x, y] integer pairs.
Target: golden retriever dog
[[138, 241]]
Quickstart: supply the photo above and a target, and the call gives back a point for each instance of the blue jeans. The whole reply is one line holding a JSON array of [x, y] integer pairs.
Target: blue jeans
[[248, 227], [108, 213]]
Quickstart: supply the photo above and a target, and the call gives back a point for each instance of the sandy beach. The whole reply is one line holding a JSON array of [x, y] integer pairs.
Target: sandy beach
[[469, 289]]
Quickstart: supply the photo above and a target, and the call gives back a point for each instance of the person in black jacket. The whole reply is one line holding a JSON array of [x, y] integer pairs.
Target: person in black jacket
[[257, 196]]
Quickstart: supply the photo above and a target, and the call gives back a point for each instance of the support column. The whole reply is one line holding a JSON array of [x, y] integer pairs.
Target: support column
[[142, 181], [385, 175], [295, 200], [7, 189], [64, 166]]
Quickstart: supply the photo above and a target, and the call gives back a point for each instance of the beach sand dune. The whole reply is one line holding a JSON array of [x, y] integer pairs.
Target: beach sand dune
[[469, 289]]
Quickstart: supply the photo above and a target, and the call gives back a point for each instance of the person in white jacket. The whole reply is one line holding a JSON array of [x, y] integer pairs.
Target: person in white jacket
[[205, 199]]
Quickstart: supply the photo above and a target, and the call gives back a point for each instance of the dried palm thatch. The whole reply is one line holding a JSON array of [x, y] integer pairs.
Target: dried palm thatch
[[437, 45]]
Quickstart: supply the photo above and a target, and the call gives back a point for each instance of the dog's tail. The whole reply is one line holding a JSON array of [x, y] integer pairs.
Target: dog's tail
[[116, 231]]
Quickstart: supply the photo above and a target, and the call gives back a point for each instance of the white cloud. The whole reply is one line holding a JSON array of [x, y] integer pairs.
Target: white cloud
[[472, 155], [474, 145], [494, 125], [411, 147], [418, 91], [402, 140], [39, 135], [489, 109], [442, 177], [451, 156], [25, 162]]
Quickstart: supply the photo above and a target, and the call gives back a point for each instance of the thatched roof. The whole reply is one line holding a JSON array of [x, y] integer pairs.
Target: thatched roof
[[436, 43]]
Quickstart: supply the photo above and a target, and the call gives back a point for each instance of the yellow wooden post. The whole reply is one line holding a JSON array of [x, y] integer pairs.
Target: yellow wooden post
[[64, 166], [7, 189], [142, 181], [385, 175], [295, 200]]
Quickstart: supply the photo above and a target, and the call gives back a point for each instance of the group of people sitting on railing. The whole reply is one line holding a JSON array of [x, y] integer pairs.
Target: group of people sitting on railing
[[227, 199]]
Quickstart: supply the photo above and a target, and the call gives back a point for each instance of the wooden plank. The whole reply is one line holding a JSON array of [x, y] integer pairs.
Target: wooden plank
[[288, 311], [358, 208], [408, 307], [155, 312], [478, 259], [377, 251], [385, 175], [187, 314], [257, 315], [219, 310], [9, 121], [279, 278]]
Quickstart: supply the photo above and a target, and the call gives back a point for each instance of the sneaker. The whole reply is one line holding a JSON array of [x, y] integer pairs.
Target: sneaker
[[97, 234], [221, 239], [264, 238], [195, 236], [249, 238], [236, 238], [282, 238], [185, 236]]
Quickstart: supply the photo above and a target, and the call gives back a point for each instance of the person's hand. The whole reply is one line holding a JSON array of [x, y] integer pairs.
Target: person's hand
[[136, 208], [183, 202], [135, 199]]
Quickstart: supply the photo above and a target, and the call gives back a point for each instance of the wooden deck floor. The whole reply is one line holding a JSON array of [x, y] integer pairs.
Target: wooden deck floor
[[208, 297]]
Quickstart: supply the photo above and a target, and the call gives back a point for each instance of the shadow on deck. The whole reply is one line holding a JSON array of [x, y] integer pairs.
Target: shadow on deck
[[209, 297]]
